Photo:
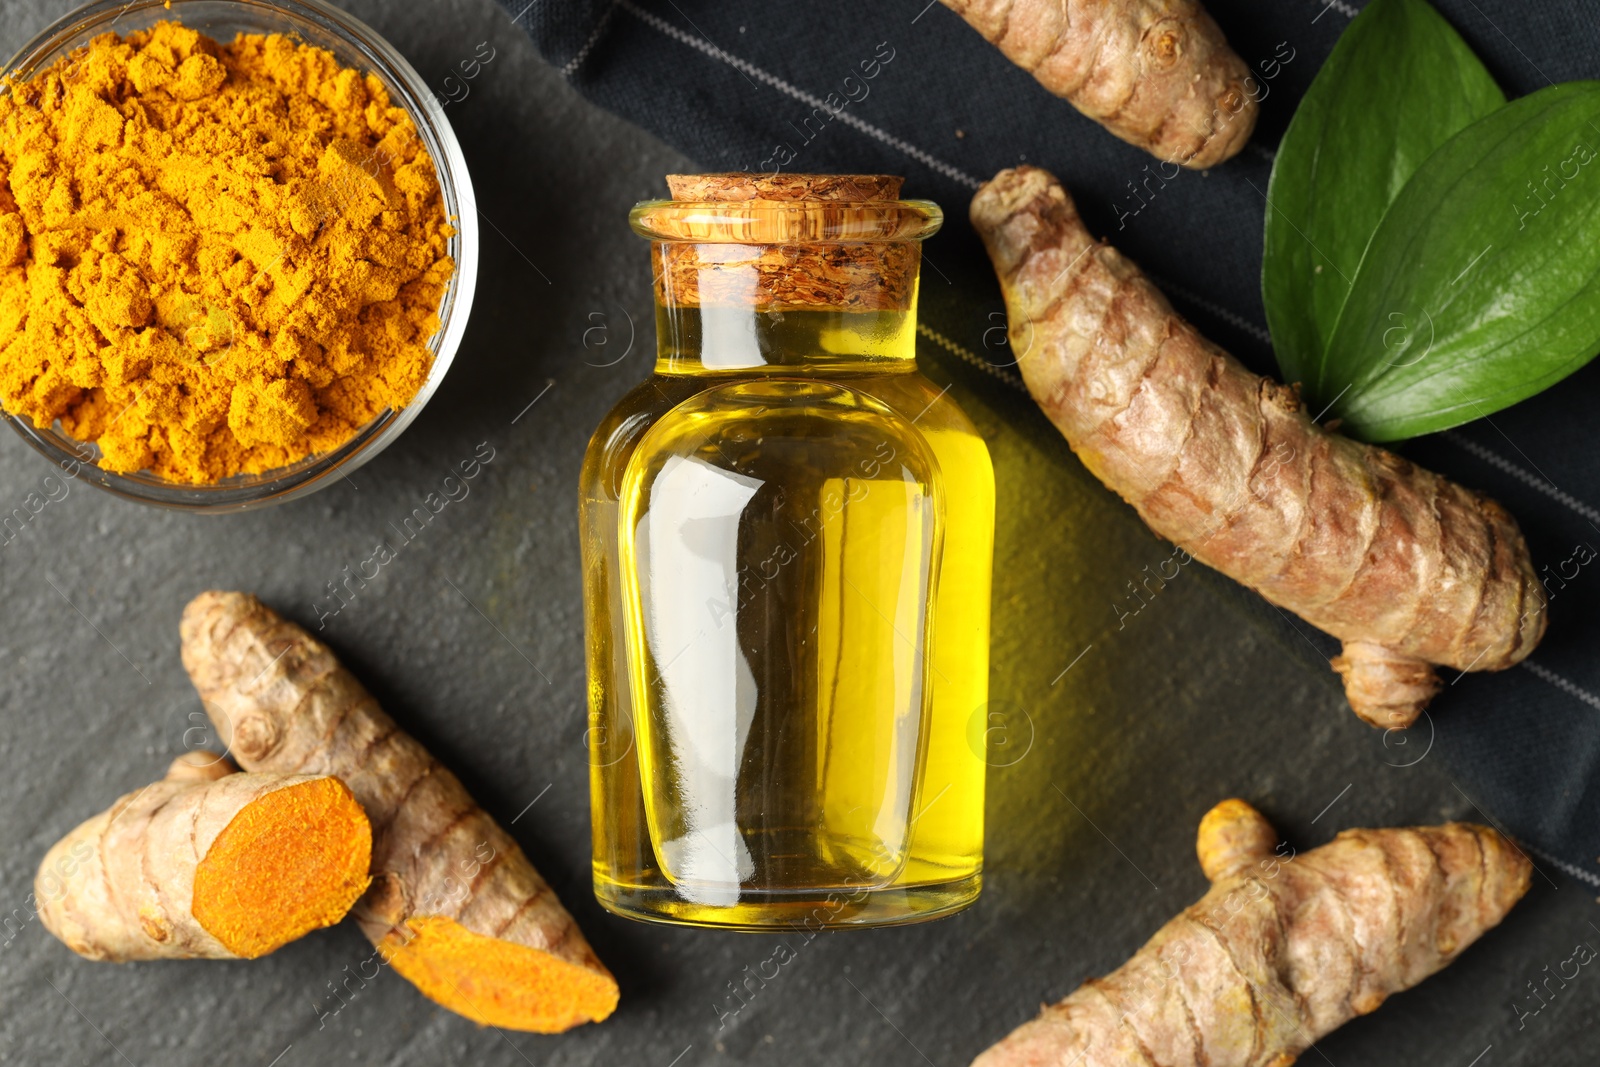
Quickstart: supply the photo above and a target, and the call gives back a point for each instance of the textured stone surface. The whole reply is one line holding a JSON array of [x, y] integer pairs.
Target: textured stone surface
[[472, 638]]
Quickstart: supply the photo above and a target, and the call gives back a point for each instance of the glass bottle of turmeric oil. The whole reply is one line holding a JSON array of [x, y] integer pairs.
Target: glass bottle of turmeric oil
[[787, 538]]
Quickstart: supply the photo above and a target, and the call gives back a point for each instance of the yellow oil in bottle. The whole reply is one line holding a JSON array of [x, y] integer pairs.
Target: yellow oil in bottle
[[787, 537]]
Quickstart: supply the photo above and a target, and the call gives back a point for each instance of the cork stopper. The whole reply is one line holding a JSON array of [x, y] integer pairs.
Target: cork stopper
[[735, 186], [787, 242]]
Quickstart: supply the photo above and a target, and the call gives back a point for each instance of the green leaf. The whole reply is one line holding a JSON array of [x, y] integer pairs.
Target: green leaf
[[1481, 286], [1399, 83]]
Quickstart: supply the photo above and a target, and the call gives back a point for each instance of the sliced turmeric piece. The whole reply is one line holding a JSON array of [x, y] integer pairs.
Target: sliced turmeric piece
[[207, 863], [494, 981], [1284, 948], [455, 907]]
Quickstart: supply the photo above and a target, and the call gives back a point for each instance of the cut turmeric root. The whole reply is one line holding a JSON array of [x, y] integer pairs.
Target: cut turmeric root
[[1283, 949], [1406, 568], [455, 907], [207, 863], [1157, 73]]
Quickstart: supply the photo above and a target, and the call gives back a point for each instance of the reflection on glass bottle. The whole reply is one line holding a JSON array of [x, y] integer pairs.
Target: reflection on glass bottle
[[787, 538]]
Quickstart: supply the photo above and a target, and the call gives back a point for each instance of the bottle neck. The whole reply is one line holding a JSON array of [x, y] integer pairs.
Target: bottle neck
[[745, 339], [785, 273]]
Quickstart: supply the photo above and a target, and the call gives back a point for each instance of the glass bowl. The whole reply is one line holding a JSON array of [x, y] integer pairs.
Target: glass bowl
[[355, 45]]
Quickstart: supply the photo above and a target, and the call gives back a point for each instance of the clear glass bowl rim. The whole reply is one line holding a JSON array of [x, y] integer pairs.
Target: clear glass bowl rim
[[318, 23]]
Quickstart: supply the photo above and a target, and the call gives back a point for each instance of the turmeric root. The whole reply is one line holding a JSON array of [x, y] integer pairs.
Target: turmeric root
[[1157, 73], [207, 863], [455, 906], [1406, 568], [1283, 949]]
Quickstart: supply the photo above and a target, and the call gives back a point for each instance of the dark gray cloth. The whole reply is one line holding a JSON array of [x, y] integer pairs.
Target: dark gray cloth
[[906, 88]]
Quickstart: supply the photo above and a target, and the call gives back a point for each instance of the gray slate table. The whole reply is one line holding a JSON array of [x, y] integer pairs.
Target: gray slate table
[[473, 639]]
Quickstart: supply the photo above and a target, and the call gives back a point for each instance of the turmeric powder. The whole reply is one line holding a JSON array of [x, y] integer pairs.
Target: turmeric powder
[[214, 258]]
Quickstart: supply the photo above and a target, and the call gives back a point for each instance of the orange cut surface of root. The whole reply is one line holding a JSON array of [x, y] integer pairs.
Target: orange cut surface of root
[[289, 862], [495, 982]]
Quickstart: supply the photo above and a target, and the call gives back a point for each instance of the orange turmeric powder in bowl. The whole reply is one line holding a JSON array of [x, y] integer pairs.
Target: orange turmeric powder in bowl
[[228, 266]]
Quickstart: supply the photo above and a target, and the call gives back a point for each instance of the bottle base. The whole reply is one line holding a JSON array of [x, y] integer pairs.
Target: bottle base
[[764, 911]]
